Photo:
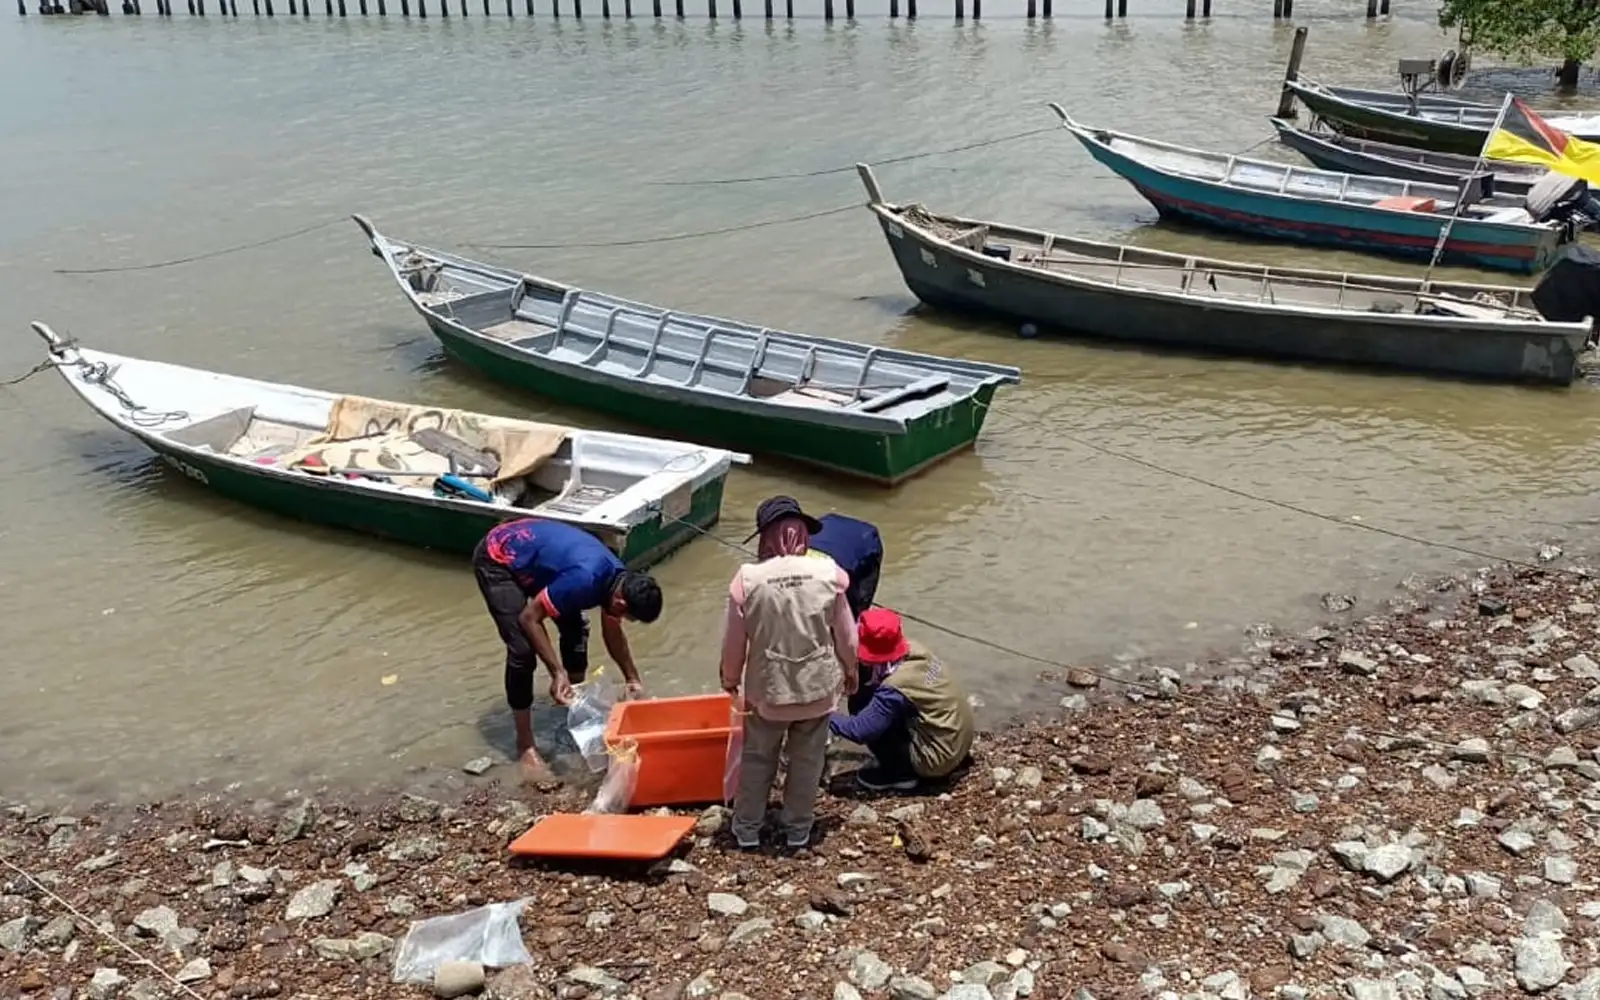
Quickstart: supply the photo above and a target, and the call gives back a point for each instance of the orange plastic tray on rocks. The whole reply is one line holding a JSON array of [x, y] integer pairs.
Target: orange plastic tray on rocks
[[682, 743], [622, 838]]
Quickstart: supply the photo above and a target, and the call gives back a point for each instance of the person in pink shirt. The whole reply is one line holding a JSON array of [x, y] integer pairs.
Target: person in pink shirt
[[789, 646]]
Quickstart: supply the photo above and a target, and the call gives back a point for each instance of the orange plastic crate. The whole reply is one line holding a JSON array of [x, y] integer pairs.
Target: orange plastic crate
[[682, 745]]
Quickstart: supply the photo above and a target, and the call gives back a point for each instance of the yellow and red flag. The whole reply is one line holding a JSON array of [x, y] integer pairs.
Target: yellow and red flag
[[1524, 137]]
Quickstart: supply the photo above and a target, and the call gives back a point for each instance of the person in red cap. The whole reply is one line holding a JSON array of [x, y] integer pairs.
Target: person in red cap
[[918, 722]]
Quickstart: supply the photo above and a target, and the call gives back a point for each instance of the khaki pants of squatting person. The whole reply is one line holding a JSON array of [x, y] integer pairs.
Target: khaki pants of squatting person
[[764, 740]]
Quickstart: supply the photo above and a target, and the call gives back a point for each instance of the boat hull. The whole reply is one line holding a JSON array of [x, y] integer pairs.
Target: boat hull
[[1411, 235], [1328, 154], [1389, 126], [415, 521], [883, 458], [978, 284]]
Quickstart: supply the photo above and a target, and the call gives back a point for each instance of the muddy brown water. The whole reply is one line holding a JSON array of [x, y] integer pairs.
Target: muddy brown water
[[154, 635]]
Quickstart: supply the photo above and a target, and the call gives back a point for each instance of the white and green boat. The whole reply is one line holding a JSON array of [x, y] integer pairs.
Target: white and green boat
[[438, 478]]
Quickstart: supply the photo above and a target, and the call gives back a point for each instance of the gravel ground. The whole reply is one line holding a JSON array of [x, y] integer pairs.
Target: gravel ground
[[1400, 806]]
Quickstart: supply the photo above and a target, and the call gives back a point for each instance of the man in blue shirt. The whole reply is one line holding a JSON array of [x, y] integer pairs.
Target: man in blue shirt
[[858, 549], [531, 570]]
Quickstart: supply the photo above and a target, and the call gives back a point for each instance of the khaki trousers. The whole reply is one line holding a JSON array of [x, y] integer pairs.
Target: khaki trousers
[[764, 740]]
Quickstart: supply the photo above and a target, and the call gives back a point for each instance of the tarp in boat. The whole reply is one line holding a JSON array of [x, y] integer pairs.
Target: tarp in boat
[[375, 434]]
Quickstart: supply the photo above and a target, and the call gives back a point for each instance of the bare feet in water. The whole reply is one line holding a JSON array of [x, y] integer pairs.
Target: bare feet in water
[[536, 772]]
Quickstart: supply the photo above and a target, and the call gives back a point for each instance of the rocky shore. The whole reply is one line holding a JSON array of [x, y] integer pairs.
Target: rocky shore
[[1401, 806]]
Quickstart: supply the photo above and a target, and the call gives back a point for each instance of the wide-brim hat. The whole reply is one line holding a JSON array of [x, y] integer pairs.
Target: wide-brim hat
[[775, 509]]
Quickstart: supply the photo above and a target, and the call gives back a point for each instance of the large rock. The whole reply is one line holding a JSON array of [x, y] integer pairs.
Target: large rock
[[296, 821], [984, 973], [1538, 963], [156, 922], [1343, 931], [870, 972], [14, 934], [196, 971], [911, 988], [1544, 919], [750, 930], [598, 979], [315, 900], [106, 984], [59, 932], [1388, 862]]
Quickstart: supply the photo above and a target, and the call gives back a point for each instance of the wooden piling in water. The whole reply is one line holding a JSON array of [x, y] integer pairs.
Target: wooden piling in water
[[1372, 9], [1122, 8], [1288, 8], [1384, 8], [960, 13], [1205, 9], [977, 10], [849, 10], [1296, 52]]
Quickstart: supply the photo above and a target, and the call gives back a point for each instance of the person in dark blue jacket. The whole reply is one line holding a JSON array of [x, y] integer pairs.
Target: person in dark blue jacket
[[858, 549]]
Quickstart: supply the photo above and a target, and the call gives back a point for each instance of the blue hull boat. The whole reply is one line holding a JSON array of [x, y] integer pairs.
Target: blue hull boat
[[1277, 201]]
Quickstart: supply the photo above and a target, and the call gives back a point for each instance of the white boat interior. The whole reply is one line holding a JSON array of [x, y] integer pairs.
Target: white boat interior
[[389, 448]]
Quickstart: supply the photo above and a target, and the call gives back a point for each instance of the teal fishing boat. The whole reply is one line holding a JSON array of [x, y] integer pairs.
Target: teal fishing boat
[[1286, 203]]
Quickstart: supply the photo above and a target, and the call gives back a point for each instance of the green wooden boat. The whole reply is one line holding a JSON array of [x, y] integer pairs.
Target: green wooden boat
[[871, 412], [423, 475], [1433, 121]]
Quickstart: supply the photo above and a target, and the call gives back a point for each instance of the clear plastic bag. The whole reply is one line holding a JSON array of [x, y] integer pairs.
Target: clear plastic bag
[[489, 935], [730, 761], [616, 791], [591, 706]]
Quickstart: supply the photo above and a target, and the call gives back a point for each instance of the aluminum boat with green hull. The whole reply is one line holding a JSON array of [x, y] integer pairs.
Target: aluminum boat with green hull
[[432, 477], [871, 412]]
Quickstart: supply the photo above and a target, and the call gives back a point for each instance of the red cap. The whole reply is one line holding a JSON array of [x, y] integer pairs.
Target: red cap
[[881, 640]]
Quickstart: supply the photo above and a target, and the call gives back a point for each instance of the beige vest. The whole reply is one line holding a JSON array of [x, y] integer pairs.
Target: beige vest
[[788, 620], [942, 734]]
